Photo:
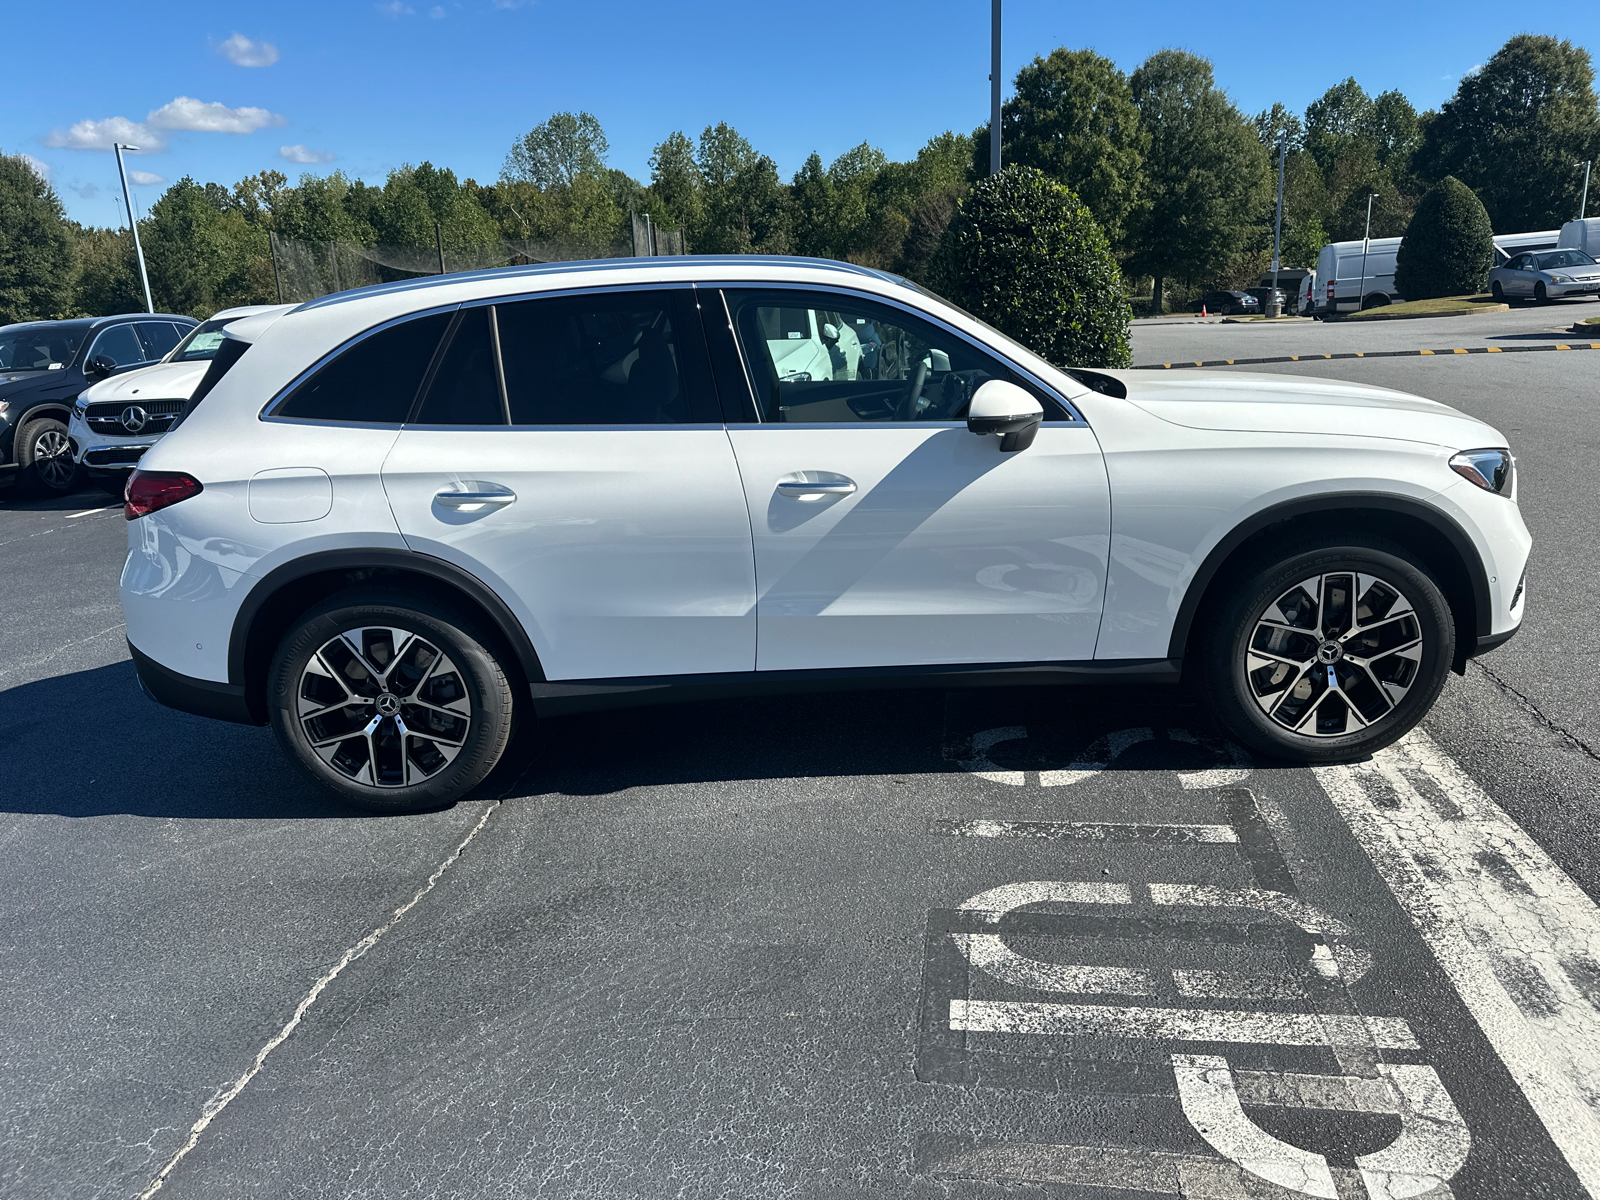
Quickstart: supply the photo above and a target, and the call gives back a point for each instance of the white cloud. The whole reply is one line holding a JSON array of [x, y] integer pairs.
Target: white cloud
[[87, 190], [146, 178], [245, 52], [101, 135], [436, 12], [395, 8], [184, 112], [304, 154], [40, 168], [511, 3]]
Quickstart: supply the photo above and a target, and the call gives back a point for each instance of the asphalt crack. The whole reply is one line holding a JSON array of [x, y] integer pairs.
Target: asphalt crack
[[1534, 711]]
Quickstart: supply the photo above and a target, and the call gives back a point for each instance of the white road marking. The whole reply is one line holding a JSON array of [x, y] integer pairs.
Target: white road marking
[[996, 902], [1086, 831], [1181, 1024], [1095, 759], [1119, 1168], [221, 1101], [1206, 1091], [1512, 932], [91, 511]]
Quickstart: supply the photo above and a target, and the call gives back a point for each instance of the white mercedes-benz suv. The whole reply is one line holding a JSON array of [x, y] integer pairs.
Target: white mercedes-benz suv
[[391, 519]]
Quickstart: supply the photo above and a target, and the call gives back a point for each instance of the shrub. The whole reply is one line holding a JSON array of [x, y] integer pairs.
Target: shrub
[[1448, 247], [1023, 253]]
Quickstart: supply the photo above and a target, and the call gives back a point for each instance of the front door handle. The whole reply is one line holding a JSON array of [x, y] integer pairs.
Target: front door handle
[[474, 501], [813, 485]]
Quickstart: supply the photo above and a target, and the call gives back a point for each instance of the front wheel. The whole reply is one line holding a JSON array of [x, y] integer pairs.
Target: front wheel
[[44, 456], [1498, 292], [1330, 653], [1540, 295], [391, 703]]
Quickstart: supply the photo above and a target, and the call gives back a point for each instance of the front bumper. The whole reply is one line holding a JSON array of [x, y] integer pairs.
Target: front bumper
[[1590, 288], [106, 452]]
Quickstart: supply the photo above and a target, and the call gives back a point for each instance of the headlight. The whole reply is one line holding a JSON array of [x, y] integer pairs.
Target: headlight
[[4, 406], [1561, 279], [80, 406], [1489, 469]]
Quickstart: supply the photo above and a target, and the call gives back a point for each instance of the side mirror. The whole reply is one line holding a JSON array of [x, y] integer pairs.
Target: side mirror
[[99, 367], [1006, 409]]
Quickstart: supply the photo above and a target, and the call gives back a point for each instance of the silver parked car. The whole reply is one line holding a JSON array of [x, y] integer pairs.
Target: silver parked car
[[1546, 274]]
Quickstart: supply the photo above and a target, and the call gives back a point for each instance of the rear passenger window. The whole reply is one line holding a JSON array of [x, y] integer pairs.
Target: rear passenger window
[[119, 344], [159, 337], [374, 381], [631, 358], [465, 390]]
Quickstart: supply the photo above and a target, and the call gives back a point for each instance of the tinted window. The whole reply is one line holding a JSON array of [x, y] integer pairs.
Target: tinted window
[[820, 356], [158, 337], [38, 347], [374, 381], [119, 344], [631, 358], [465, 390]]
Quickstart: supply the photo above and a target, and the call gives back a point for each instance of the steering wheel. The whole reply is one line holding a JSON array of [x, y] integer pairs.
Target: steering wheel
[[909, 401]]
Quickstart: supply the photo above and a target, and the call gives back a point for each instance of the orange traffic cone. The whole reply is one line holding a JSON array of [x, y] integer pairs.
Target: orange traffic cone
[[1203, 311]]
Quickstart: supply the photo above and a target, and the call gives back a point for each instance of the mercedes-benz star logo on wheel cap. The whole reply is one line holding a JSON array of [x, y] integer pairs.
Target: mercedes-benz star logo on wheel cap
[[134, 418]]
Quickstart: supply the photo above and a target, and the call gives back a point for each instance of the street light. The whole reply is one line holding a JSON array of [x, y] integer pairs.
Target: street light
[[994, 89], [144, 276], [1366, 243], [1583, 205], [1274, 305]]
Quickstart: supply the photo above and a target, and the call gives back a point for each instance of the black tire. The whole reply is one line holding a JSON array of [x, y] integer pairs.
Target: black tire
[[1249, 693], [44, 458], [1498, 292], [1540, 296], [468, 678]]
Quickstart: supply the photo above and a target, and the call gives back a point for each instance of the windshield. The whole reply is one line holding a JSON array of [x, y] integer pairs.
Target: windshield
[[38, 347], [200, 343], [1565, 258]]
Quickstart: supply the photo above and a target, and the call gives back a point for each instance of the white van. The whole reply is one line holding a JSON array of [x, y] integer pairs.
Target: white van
[[1508, 245], [1581, 235], [1356, 275]]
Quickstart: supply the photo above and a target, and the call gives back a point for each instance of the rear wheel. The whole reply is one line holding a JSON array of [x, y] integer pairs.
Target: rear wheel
[[44, 457], [390, 703], [1329, 653]]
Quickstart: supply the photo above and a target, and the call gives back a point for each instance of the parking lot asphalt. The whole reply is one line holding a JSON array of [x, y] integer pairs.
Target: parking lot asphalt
[[1173, 340], [1007, 943]]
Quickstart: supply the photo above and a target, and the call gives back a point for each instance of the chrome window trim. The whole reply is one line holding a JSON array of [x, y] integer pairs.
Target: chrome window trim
[[1074, 416], [137, 340]]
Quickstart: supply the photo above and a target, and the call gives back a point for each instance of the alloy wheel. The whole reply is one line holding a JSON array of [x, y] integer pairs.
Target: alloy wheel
[[383, 707], [52, 459], [1335, 654]]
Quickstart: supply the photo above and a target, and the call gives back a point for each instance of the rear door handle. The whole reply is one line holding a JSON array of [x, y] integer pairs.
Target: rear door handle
[[803, 485], [474, 501]]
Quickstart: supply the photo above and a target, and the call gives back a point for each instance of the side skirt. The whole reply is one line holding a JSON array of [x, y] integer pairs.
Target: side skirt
[[559, 698]]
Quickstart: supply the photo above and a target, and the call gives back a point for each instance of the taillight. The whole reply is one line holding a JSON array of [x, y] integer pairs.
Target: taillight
[[148, 491]]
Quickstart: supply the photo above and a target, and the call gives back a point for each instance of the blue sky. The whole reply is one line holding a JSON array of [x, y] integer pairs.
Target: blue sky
[[363, 86]]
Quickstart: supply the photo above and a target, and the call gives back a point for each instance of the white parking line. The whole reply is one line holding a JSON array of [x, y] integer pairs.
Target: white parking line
[[1084, 831], [88, 512], [1519, 940]]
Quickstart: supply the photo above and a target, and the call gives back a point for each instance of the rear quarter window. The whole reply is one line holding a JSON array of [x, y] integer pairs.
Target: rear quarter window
[[372, 381]]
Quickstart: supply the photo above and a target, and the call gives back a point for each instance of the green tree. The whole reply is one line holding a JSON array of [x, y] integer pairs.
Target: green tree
[[108, 276], [1336, 120], [1449, 247], [555, 153], [675, 199], [1026, 255], [814, 208], [1072, 116], [746, 210], [36, 246], [1278, 119], [202, 258], [1513, 131], [1209, 183]]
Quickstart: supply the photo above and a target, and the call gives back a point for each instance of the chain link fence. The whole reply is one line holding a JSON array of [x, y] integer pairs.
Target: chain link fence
[[305, 270]]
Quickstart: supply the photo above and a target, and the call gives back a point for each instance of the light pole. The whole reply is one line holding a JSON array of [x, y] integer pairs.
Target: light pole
[[1583, 204], [994, 89], [133, 226], [1274, 305], [1366, 242]]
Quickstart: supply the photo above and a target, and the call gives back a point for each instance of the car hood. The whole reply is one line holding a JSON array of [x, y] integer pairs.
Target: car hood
[[1260, 403], [161, 381]]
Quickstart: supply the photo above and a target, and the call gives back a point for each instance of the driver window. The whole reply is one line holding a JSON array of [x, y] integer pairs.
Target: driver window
[[822, 357], [119, 345]]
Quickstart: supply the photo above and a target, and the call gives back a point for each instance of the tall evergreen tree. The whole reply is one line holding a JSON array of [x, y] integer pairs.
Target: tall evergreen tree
[[1209, 183], [36, 246], [1072, 116], [1514, 130]]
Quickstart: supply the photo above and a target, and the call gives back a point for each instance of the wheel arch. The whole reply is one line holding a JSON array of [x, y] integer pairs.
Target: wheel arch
[[45, 408], [289, 590], [1430, 534]]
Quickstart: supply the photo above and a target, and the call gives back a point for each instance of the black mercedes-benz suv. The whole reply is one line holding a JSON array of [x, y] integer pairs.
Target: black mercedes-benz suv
[[43, 367]]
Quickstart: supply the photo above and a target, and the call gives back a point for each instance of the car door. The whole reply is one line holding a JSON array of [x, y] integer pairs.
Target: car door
[[886, 534], [1521, 276], [569, 451]]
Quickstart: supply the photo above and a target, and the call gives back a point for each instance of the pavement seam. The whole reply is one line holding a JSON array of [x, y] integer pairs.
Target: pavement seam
[[1533, 710], [1343, 354], [214, 1108]]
